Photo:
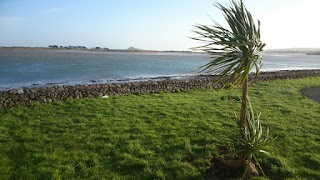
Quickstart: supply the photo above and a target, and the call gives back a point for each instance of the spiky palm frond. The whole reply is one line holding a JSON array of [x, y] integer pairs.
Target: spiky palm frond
[[233, 52], [256, 138]]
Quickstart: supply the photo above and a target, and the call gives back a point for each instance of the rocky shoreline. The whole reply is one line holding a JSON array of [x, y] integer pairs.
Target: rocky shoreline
[[27, 96]]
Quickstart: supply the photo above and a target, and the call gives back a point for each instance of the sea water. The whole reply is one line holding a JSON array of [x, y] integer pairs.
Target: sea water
[[24, 68]]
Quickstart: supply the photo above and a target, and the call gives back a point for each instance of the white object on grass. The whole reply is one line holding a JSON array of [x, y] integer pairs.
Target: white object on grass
[[105, 97]]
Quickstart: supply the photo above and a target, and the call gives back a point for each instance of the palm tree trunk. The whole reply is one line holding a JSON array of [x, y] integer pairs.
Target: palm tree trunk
[[243, 111]]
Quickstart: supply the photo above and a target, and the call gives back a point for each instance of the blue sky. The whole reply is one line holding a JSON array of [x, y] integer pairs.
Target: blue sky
[[146, 24]]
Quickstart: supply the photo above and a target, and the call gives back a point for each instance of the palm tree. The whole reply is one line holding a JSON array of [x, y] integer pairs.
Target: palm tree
[[234, 51]]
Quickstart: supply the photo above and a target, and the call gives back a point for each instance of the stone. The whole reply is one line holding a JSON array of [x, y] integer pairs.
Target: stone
[[20, 91], [105, 97]]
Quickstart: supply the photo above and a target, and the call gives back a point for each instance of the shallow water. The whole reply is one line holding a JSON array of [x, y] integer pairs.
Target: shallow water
[[20, 68]]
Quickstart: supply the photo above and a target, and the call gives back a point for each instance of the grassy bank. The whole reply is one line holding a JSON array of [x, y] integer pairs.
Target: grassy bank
[[165, 135]]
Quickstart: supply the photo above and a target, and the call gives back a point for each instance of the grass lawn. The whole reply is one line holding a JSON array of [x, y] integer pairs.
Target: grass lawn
[[157, 136]]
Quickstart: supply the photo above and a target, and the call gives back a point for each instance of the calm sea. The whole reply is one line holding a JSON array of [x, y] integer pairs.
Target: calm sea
[[21, 68]]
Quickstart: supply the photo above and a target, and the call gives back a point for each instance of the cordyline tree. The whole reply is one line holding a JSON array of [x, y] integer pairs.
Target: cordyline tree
[[234, 51]]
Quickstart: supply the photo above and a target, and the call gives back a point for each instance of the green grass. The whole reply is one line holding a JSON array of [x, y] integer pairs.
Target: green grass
[[157, 136]]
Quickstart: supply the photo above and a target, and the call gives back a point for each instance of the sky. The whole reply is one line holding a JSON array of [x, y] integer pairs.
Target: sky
[[146, 24]]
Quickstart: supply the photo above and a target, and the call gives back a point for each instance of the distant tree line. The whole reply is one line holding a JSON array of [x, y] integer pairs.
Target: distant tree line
[[76, 47]]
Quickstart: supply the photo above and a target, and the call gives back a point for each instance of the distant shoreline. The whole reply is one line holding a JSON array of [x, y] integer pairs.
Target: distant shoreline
[[306, 51], [92, 50], [314, 53]]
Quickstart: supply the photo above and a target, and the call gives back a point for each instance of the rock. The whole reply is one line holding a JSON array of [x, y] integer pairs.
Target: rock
[[105, 97], [20, 91], [15, 97]]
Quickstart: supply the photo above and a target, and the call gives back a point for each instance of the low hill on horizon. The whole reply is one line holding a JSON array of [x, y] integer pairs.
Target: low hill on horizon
[[310, 51], [134, 49]]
